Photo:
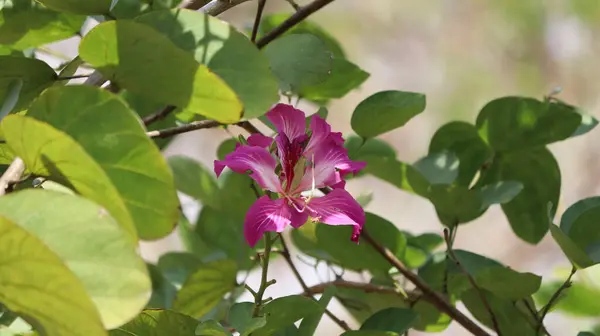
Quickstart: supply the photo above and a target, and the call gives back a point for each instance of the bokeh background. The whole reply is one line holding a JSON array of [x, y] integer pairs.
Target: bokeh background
[[461, 54]]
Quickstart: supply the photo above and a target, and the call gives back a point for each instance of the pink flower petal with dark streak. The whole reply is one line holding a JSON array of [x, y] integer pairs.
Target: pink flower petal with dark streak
[[266, 215], [259, 140], [257, 160], [288, 120], [338, 208]]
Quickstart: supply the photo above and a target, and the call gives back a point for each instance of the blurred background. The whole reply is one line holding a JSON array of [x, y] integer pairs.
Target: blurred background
[[461, 54]]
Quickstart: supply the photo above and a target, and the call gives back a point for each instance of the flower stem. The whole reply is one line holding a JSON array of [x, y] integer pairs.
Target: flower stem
[[264, 283]]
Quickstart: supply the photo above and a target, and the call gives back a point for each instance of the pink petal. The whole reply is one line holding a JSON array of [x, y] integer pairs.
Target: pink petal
[[288, 120], [259, 140], [255, 159], [298, 218], [265, 215], [338, 208], [320, 133], [328, 158], [337, 138]]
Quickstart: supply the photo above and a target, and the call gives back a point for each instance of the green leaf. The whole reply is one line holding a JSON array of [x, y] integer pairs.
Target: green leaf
[[90, 243], [224, 50], [158, 322], [284, 311], [27, 25], [144, 61], [335, 240], [577, 235], [455, 204], [385, 111], [36, 284], [305, 239], [439, 168], [131, 180], [539, 173], [309, 324], [463, 140], [226, 147], [398, 320], [361, 305], [345, 76], [190, 239], [399, 174], [69, 70], [490, 275], [223, 230], [510, 319], [588, 123], [211, 328], [369, 333], [298, 61], [516, 123], [430, 318], [177, 266], [163, 292], [290, 330], [35, 74], [360, 149], [586, 333], [576, 255], [144, 107], [419, 248], [241, 319], [500, 192], [193, 179], [269, 23], [13, 90], [204, 289], [88, 7]]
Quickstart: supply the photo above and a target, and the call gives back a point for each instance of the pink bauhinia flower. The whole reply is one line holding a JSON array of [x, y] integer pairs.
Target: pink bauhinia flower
[[302, 162]]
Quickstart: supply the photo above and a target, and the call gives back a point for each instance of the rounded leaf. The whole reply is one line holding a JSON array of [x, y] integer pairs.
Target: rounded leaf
[[204, 289], [284, 311], [142, 60], [220, 47], [36, 284], [90, 243], [385, 111], [152, 322], [35, 75]]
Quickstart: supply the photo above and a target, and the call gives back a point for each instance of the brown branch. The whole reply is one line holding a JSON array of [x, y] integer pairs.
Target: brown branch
[[217, 7], [195, 125], [259, 11], [431, 295], [12, 175], [301, 14], [246, 125], [288, 258], [484, 300], [193, 4]]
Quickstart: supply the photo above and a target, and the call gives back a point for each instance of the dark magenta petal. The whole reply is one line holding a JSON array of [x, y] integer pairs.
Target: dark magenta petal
[[259, 140]]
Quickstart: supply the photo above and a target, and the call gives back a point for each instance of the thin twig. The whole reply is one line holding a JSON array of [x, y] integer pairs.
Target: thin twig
[[365, 287], [246, 125], [193, 4], [554, 298], [72, 77], [301, 14], [486, 304], [158, 115], [293, 4], [12, 175], [217, 7], [259, 11], [307, 290], [195, 125], [431, 295], [258, 298]]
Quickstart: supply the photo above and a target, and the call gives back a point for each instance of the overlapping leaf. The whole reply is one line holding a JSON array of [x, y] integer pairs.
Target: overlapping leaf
[[89, 140]]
